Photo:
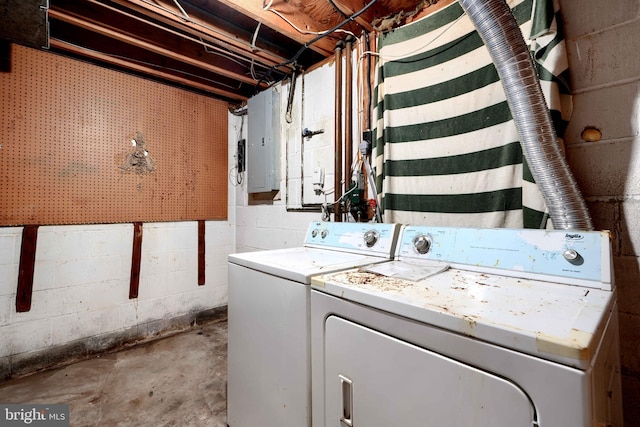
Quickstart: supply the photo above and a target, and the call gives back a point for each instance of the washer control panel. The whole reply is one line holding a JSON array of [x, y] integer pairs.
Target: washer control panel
[[364, 237], [580, 255]]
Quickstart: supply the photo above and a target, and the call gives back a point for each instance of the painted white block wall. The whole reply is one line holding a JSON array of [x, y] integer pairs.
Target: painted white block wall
[[81, 283], [602, 43]]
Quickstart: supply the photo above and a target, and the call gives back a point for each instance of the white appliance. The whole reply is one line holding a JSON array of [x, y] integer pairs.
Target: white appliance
[[497, 327], [269, 360]]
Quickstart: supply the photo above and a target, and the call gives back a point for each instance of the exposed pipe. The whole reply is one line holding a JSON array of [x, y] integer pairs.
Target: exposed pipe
[[337, 182], [348, 105], [499, 30]]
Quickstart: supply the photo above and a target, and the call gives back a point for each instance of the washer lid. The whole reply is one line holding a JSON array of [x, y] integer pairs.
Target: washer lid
[[300, 264], [559, 323]]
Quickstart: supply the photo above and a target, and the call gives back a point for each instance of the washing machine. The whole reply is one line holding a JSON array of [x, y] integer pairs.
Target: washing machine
[[470, 327], [269, 360]]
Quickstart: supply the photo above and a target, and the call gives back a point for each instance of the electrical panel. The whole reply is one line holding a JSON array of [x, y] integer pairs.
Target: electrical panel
[[263, 145]]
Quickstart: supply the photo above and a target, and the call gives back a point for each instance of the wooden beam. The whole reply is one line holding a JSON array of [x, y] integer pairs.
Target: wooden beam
[[136, 260], [26, 268], [118, 34], [350, 7], [59, 44], [199, 28], [430, 8], [202, 260], [253, 9]]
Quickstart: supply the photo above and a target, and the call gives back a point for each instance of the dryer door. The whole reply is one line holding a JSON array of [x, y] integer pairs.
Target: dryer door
[[375, 380]]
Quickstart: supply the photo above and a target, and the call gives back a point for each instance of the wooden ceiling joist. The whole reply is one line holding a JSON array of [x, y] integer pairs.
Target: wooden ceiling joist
[[230, 48], [286, 11], [120, 35], [162, 12], [351, 7], [146, 70]]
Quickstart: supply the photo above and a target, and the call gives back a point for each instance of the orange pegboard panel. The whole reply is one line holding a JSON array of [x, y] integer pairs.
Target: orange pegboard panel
[[66, 148]]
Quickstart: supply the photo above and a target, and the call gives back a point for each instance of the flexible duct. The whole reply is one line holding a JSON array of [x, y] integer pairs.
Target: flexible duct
[[499, 30]]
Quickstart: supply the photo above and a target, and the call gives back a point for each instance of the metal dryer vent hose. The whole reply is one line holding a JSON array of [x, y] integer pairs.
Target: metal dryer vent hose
[[499, 30]]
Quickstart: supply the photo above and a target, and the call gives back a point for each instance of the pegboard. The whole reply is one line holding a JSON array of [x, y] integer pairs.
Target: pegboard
[[66, 150]]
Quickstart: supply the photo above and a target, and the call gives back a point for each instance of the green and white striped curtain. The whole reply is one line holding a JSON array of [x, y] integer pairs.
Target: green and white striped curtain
[[446, 147]]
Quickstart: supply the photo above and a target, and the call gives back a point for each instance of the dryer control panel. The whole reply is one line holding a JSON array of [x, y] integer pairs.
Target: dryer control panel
[[573, 257], [361, 237]]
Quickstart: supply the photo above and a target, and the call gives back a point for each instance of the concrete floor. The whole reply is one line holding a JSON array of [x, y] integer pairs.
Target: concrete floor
[[175, 381]]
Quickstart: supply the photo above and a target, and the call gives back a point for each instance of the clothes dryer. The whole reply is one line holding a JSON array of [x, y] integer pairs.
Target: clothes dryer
[[482, 327]]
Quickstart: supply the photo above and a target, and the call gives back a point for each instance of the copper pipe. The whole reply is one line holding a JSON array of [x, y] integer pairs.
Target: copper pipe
[[348, 122], [337, 183]]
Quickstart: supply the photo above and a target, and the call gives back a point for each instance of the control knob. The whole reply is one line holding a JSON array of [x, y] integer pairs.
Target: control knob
[[571, 255], [422, 243], [370, 237]]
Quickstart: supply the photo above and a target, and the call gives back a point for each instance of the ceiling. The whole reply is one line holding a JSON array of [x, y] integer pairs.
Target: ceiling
[[229, 49]]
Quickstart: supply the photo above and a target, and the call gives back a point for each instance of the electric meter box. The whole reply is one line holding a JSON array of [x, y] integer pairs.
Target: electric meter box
[[263, 145]]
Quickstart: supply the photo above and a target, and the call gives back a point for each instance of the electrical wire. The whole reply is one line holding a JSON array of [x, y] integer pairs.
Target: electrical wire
[[239, 176], [368, 54], [194, 22], [335, 6], [184, 13], [253, 48], [417, 49], [301, 31], [295, 57], [369, 86], [208, 47], [252, 62]]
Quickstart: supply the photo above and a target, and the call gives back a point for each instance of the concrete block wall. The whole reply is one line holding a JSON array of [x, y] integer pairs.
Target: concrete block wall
[[80, 300], [270, 227], [602, 43]]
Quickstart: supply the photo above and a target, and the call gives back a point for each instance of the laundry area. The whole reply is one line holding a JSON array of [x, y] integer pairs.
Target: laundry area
[[343, 214]]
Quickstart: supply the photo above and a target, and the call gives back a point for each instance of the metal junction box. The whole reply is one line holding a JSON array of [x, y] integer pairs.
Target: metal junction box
[[263, 148]]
